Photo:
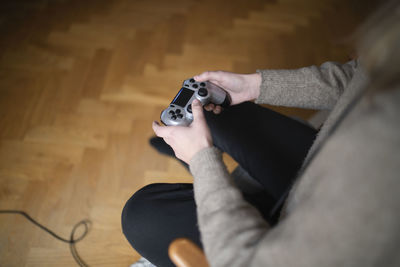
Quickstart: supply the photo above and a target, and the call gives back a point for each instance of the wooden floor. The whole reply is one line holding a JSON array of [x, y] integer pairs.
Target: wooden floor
[[81, 82]]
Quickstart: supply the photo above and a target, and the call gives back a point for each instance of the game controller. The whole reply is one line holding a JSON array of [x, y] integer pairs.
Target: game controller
[[179, 112]]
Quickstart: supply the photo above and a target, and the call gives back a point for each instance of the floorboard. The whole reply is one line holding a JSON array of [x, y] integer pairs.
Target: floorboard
[[81, 82]]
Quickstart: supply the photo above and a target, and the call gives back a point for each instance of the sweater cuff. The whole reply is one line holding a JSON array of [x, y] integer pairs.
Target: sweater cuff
[[206, 158], [208, 164], [275, 82]]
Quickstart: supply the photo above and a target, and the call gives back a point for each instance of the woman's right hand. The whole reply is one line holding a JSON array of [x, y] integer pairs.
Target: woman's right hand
[[241, 87]]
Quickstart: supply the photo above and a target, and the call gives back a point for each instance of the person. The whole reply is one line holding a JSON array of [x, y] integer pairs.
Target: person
[[335, 190]]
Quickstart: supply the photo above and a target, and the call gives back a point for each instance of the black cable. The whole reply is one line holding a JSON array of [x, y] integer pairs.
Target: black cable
[[71, 241]]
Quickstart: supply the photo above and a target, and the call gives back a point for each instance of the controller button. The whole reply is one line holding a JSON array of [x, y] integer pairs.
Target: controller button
[[203, 92], [173, 117], [171, 112], [178, 111], [189, 108], [192, 80], [180, 116], [195, 86], [202, 84]]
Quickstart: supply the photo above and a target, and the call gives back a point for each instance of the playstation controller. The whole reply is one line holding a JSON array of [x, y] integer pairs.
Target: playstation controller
[[179, 112]]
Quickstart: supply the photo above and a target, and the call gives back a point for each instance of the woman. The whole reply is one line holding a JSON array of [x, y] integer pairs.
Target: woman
[[336, 191]]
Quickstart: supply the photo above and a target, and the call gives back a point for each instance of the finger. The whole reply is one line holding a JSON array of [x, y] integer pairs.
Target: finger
[[209, 107], [207, 76], [160, 131], [217, 110], [197, 108]]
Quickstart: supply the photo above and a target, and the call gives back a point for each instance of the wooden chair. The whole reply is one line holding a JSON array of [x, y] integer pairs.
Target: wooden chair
[[184, 253]]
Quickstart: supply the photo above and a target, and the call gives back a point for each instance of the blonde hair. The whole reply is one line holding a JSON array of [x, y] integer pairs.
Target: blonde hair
[[379, 46]]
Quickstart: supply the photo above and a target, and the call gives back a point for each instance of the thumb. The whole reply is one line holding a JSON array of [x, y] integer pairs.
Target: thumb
[[197, 109], [160, 131], [207, 76], [202, 77]]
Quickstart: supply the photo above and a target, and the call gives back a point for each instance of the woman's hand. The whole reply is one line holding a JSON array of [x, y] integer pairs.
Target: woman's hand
[[241, 87], [187, 141]]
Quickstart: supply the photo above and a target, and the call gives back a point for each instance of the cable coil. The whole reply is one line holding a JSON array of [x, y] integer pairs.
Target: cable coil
[[71, 241]]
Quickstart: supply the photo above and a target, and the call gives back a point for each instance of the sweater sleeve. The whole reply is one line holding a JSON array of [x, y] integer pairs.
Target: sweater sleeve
[[311, 87], [220, 205], [343, 211]]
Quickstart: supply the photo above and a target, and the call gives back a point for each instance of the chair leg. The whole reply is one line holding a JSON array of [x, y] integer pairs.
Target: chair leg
[[184, 253]]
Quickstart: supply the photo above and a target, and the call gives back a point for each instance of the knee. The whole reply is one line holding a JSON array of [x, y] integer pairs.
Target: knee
[[137, 213]]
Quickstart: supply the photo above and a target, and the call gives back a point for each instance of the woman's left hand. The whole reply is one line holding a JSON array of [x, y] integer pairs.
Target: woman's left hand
[[186, 141]]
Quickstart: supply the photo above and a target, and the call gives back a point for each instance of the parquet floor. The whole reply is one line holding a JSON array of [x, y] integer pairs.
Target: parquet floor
[[81, 81]]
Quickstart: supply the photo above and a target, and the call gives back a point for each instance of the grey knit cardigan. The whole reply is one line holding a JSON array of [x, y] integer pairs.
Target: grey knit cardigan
[[344, 210]]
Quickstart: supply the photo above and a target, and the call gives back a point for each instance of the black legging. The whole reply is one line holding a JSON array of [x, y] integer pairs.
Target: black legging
[[269, 146]]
